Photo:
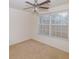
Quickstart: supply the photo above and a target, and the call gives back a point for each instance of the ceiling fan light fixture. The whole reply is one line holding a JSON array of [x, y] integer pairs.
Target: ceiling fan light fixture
[[35, 9], [37, 5]]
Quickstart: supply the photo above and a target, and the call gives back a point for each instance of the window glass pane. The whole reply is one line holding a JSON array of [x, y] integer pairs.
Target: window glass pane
[[44, 19], [44, 29], [59, 18], [59, 31]]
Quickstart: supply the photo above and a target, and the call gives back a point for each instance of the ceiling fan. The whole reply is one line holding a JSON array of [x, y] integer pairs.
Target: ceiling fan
[[37, 5]]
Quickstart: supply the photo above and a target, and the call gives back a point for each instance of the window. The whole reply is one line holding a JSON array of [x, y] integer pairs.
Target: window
[[44, 24], [59, 24], [54, 24]]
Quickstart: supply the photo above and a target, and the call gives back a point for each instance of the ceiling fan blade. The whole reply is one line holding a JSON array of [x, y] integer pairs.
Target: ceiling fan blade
[[47, 1], [28, 8], [29, 3], [44, 7]]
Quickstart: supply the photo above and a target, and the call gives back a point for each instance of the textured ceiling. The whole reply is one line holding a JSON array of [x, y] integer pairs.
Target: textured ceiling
[[20, 4]]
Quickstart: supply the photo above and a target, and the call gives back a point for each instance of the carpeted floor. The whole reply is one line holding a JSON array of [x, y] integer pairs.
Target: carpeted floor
[[32, 49]]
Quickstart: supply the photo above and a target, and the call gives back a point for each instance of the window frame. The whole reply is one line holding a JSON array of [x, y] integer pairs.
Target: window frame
[[50, 24]]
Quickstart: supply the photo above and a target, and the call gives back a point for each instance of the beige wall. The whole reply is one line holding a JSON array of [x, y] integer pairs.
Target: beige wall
[[19, 25]]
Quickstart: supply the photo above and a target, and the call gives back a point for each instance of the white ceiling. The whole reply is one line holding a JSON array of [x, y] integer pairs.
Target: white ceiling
[[20, 4]]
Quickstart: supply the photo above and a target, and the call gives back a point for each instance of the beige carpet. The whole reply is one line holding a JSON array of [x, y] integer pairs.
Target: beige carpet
[[32, 49]]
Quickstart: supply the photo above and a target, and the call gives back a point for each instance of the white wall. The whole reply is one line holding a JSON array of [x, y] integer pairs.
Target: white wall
[[55, 42], [19, 25], [24, 26]]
